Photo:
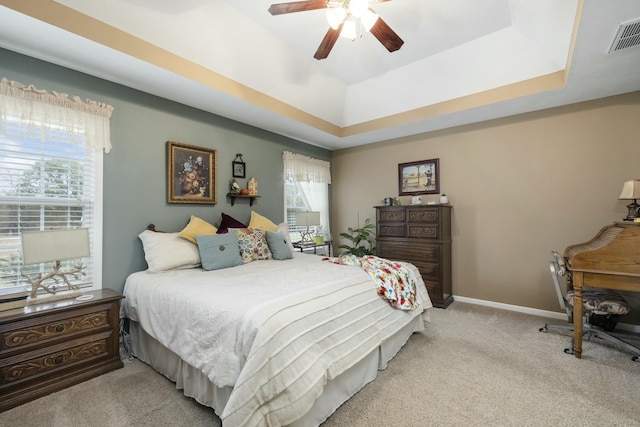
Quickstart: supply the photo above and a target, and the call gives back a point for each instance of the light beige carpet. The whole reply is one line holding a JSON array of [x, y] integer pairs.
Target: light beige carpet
[[473, 366]]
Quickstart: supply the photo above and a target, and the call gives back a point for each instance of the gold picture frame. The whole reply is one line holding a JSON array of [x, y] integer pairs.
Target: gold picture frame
[[192, 173]]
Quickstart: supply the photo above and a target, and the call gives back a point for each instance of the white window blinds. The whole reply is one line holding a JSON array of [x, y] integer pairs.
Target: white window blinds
[[50, 173]]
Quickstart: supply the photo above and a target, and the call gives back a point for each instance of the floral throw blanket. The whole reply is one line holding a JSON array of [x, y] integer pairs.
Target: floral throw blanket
[[393, 280]]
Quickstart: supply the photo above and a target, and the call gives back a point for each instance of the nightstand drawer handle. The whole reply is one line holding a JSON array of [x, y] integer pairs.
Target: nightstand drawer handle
[[59, 328], [58, 360]]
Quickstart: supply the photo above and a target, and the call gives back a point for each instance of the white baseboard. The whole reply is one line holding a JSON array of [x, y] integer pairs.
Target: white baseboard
[[535, 311]]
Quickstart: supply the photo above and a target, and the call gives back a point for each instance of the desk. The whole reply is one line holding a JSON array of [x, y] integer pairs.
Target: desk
[[610, 260], [314, 246]]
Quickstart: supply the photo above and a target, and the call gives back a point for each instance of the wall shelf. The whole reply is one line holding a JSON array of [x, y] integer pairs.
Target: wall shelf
[[234, 196]]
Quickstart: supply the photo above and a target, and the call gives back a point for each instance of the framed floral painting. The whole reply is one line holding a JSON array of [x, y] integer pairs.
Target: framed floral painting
[[421, 177], [191, 174]]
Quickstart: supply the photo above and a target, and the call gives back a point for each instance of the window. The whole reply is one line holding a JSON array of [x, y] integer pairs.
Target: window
[[306, 188], [50, 175]]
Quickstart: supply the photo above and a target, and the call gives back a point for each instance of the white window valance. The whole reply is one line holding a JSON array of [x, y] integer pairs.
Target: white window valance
[[37, 110], [301, 168]]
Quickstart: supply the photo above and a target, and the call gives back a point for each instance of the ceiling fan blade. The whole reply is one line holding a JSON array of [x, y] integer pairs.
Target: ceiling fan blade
[[327, 43], [386, 35], [297, 6]]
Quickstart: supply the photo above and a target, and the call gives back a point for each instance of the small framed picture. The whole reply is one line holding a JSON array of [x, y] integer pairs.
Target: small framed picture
[[239, 169], [421, 177], [191, 174]]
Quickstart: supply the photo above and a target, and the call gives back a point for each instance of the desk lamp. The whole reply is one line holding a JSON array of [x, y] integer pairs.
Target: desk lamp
[[631, 191], [307, 218], [54, 245]]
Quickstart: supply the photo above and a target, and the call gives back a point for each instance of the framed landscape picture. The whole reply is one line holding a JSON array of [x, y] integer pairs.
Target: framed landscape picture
[[191, 174], [421, 177]]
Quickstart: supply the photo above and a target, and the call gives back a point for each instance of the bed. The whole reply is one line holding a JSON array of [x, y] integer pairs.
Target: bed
[[270, 342]]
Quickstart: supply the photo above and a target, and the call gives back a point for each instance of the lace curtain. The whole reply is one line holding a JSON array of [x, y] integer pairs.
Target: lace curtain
[[301, 168], [312, 178], [35, 110]]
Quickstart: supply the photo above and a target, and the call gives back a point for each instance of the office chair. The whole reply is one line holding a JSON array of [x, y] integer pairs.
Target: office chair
[[601, 309]]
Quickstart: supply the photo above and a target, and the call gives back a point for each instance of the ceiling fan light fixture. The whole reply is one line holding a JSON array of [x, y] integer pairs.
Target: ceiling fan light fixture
[[335, 16], [349, 29], [369, 19], [358, 8]]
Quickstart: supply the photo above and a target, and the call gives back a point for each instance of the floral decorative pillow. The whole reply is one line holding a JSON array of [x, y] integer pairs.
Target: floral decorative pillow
[[253, 244]]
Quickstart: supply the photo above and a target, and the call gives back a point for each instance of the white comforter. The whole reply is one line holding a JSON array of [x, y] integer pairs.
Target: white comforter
[[275, 331]]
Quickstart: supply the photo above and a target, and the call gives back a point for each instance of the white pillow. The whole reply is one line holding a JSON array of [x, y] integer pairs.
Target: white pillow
[[283, 227], [168, 251]]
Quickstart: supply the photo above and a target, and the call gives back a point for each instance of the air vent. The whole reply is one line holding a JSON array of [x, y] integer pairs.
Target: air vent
[[628, 35]]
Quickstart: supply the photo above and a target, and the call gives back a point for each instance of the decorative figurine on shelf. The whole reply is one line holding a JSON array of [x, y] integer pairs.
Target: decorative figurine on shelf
[[235, 187], [253, 187]]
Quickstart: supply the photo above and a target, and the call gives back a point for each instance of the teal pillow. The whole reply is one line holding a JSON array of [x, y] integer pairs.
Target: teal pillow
[[279, 246], [219, 250]]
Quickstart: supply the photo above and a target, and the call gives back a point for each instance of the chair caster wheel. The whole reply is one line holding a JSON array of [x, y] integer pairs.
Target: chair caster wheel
[[542, 330], [569, 351], [636, 358]]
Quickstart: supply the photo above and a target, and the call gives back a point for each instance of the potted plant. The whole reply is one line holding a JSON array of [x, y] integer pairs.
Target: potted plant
[[360, 239], [444, 198]]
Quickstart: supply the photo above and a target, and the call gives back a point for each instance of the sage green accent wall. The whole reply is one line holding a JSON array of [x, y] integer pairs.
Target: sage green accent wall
[[135, 169]]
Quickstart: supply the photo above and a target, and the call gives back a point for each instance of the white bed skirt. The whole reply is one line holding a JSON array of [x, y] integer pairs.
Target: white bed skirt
[[337, 391]]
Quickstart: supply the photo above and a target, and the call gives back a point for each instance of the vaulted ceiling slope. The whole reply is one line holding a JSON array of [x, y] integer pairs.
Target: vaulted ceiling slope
[[463, 61]]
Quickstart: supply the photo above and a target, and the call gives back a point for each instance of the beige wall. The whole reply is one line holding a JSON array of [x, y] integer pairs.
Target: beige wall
[[520, 187]]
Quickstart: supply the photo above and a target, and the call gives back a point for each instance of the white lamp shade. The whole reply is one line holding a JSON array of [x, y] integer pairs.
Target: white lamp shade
[[358, 7], [335, 16], [630, 190], [349, 29], [369, 19], [307, 218], [54, 245]]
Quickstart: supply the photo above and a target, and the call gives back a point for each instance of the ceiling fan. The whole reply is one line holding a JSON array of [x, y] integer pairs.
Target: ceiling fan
[[344, 16]]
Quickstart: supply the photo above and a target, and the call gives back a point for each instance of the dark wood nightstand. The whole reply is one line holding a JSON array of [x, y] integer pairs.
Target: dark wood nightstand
[[47, 347]]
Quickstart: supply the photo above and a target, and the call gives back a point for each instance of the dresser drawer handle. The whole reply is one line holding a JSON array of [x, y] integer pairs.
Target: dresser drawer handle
[[58, 360], [59, 328]]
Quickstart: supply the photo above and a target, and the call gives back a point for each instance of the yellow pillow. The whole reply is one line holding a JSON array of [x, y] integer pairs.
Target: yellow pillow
[[258, 221], [197, 227]]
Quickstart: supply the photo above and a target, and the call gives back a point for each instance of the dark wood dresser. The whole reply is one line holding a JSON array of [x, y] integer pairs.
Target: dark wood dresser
[[420, 235], [47, 347]]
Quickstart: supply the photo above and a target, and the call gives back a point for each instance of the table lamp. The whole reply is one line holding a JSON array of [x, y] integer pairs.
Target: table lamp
[[54, 245], [307, 218], [631, 191]]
